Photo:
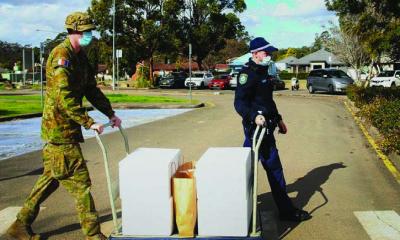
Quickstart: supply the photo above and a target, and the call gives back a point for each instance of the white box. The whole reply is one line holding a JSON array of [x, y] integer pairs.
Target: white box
[[224, 192], [145, 190]]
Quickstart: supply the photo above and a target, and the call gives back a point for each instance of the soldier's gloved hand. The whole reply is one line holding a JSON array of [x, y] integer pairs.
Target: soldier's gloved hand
[[282, 127], [260, 120], [116, 121], [97, 127]]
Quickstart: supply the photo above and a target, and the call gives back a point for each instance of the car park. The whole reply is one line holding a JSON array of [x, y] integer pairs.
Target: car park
[[199, 79], [220, 82], [386, 79], [330, 80], [173, 80]]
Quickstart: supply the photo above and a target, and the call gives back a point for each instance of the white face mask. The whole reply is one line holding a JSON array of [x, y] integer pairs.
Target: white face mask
[[265, 61]]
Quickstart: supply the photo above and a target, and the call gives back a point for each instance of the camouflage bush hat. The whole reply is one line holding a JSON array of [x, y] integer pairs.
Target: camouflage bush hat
[[79, 21]]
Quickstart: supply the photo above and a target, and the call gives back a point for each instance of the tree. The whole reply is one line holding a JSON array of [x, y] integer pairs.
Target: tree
[[319, 41], [347, 47], [142, 27], [233, 48], [376, 22], [207, 23]]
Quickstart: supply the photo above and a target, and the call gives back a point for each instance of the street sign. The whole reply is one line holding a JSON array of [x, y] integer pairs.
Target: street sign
[[41, 48], [119, 53]]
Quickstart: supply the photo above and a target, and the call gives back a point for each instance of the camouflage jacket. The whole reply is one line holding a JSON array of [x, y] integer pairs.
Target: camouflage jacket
[[69, 78]]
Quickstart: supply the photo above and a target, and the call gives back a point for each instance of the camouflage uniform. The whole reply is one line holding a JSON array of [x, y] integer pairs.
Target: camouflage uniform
[[69, 79]]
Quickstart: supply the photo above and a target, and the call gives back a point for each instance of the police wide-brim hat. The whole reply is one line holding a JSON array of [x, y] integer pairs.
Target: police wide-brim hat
[[260, 44], [79, 21]]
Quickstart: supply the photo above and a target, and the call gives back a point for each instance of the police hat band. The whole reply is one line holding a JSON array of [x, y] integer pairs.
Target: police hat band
[[260, 48]]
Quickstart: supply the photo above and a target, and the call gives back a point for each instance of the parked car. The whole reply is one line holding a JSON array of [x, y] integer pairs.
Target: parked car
[[386, 79], [331, 80], [220, 82], [277, 83], [173, 80], [233, 81], [199, 79]]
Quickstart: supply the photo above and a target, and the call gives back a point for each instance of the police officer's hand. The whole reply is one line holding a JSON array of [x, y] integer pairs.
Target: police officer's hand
[[282, 127], [98, 127], [116, 121], [260, 120]]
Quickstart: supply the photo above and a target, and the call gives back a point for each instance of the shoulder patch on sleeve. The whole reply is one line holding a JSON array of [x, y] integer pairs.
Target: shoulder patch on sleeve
[[63, 62], [243, 78]]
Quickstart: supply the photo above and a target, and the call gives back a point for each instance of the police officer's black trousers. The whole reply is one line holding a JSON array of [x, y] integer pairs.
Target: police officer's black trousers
[[269, 157]]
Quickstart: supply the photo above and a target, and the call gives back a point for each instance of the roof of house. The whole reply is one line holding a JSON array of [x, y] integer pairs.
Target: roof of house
[[241, 60], [319, 56], [288, 60]]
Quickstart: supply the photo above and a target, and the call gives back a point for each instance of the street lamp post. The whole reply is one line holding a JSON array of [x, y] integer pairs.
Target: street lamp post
[[113, 50]]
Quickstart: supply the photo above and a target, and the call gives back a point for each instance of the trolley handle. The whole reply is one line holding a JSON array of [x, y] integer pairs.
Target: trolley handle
[[256, 146], [257, 141], [112, 188], [121, 130]]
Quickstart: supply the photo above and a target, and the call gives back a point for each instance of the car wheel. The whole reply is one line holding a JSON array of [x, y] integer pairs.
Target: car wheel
[[331, 90], [310, 89], [393, 85], [201, 85]]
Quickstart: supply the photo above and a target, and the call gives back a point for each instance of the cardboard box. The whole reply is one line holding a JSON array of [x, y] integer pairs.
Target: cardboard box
[[145, 190], [224, 192]]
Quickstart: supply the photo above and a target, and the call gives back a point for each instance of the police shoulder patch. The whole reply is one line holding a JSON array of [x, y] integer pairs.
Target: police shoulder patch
[[243, 78]]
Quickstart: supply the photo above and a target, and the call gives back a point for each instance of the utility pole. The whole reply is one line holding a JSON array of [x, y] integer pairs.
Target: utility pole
[[113, 50], [41, 73], [23, 66], [33, 65]]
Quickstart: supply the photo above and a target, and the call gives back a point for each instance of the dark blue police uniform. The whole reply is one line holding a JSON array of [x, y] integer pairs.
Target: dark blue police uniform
[[253, 97]]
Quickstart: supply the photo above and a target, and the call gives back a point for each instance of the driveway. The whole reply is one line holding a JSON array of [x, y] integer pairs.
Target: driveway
[[329, 167]]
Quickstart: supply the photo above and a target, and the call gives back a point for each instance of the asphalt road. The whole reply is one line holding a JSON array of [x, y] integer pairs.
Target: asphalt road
[[329, 167]]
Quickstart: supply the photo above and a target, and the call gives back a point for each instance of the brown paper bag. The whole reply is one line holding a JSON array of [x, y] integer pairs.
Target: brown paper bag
[[185, 199]]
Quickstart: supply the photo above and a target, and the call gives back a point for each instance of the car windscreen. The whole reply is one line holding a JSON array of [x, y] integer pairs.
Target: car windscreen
[[197, 75], [338, 74], [386, 74], [222, 77]]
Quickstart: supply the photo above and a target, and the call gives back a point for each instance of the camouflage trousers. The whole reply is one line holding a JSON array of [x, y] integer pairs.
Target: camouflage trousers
[[63, 164]]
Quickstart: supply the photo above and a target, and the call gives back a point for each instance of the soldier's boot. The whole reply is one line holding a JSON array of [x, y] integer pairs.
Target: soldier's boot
[[19, 231], [99, 236]]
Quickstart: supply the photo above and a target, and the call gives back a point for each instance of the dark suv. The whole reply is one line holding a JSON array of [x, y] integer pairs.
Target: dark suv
[[330, 80], [173, 80]]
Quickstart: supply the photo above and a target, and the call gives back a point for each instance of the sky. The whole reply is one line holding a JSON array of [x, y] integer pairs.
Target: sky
[[283, 23]]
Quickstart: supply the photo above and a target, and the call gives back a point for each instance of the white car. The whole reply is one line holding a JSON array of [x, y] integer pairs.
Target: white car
[[386, 79], [199, 79], [233, 81]]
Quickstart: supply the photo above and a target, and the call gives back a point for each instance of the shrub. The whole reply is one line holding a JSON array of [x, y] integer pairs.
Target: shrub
[[381, 107], [287, 76], [362, 96]]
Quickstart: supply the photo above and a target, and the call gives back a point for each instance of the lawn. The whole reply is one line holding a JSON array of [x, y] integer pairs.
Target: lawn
[[14, 105]]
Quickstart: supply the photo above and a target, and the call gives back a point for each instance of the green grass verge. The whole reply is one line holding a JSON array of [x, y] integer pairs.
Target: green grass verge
[[14, 105]]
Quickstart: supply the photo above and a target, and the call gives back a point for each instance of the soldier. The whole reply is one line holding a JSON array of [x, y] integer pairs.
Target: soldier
[[69, 79], [254, 103]]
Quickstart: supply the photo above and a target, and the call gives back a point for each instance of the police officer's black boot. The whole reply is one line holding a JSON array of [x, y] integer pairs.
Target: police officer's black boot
[[20, 231], [296, 215]]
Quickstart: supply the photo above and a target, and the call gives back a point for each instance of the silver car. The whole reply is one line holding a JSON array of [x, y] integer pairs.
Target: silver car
[[330, 80]]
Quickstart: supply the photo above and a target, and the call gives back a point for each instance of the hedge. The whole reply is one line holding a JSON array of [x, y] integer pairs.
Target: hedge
[[288, 76], [381, 107]]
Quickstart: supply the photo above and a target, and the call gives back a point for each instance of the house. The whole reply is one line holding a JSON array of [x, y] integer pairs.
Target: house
[[315, 60], [284, 64]]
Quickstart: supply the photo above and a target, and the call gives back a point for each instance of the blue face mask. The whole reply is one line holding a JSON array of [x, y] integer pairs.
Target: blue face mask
[[85, 39], [265, 61]]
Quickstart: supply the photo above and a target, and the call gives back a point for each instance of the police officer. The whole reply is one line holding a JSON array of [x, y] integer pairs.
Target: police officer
[[254, 103], [69, 79]]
